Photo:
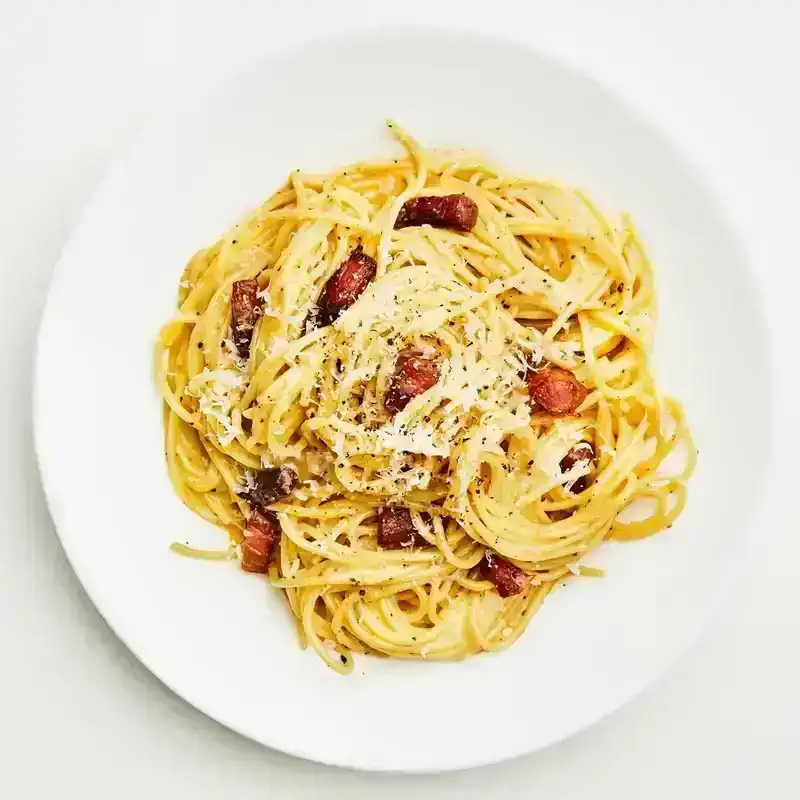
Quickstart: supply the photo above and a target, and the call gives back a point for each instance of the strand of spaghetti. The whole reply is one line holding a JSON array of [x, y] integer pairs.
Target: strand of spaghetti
[[170, 398], [416, 153], [323, 216]]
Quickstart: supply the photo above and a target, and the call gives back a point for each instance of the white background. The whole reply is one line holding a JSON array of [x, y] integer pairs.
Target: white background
[[79, 717]]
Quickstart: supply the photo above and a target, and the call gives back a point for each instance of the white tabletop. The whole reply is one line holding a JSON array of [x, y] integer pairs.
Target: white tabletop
[[79, 716]]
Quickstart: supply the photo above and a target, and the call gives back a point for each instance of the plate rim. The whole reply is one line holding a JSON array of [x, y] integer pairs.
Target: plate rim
[[66, 534]]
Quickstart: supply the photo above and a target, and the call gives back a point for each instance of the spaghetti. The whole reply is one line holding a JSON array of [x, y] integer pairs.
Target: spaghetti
[[431, 383]]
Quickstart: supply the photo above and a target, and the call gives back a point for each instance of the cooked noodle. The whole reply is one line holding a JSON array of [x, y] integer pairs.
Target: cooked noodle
[[543, 275]]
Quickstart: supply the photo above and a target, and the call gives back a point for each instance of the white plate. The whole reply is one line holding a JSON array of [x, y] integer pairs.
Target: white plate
[[222, 639]]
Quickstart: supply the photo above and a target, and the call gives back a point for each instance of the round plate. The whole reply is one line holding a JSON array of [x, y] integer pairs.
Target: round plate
[[224, 640]]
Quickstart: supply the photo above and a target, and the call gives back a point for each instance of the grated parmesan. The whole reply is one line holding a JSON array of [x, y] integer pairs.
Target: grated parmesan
[[213, 390]]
